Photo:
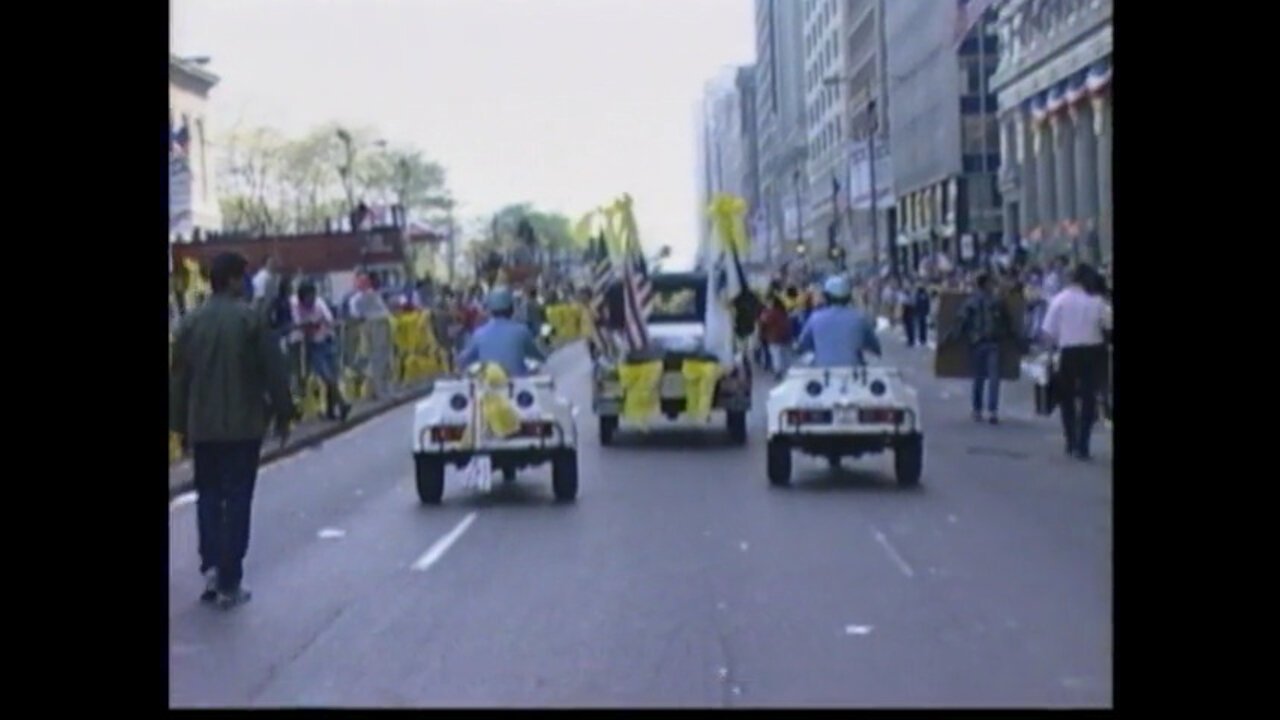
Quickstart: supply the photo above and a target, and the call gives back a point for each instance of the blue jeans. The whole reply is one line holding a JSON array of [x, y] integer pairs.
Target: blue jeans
[[984, 360], [225, 473], [322, 360]]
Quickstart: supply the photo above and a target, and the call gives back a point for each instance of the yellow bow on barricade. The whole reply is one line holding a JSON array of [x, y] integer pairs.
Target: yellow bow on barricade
[[641, 391], [415, 346], [354, 347], [700, 378]]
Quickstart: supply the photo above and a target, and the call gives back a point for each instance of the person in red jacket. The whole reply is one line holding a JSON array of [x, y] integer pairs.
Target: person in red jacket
[[776, 332]]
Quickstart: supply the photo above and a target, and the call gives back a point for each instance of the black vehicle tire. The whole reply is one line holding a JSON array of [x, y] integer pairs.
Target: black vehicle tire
[[608, 428], [564, 475], [429, 474], [508, 474], [736, 421], [779, 463], [908, 461]]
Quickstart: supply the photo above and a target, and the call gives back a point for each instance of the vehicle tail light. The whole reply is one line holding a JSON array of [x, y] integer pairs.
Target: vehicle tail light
[[447, 433], [880, 416], [536, 429], [809, 417]]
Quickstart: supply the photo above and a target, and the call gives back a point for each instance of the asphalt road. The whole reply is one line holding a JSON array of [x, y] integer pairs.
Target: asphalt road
[[679, 578]]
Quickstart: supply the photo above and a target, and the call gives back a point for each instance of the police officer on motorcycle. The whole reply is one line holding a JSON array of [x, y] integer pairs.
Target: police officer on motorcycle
[[838, 333], [502, 340]]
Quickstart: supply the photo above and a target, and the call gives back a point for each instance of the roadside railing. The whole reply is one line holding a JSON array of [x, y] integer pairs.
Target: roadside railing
[[378, 359]]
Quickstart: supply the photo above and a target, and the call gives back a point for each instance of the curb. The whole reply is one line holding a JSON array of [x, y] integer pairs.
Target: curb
[[329, 432]]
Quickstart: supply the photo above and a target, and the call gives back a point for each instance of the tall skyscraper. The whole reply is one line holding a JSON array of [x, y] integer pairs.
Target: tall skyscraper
[[780, 123]]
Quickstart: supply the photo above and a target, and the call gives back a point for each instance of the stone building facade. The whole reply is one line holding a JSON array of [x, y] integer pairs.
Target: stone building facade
[[1053, 85]]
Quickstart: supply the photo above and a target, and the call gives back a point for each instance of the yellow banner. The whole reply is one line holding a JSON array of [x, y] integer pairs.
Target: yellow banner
[[641, 394], [700, 378]]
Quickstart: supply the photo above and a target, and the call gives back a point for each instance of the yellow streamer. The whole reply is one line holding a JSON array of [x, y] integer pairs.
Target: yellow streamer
[[627, 217], [699, 387], [641, 394], [728, 214], [612, 229], [585, 228]]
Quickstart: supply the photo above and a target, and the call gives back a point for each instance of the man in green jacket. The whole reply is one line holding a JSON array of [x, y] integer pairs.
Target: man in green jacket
[[227, 381]]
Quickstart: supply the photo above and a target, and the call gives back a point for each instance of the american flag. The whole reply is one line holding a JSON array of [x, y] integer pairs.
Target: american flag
[[637, 296], [601, 277]]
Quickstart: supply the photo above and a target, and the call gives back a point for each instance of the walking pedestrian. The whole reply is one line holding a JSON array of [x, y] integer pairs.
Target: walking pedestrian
[[369, 307], [1077, 323], [775, 331], [225, 366], [920, 312], [907, 311], [984, 322]]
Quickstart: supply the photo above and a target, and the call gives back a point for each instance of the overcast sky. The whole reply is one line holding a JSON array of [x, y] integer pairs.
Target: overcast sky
[[563, 103]]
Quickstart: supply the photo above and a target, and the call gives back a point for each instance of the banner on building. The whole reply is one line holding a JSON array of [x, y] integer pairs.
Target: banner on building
[[180, 219], [860, 172]]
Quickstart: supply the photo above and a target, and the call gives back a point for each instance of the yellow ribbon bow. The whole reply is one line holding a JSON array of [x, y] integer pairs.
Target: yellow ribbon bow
[[499, 416]]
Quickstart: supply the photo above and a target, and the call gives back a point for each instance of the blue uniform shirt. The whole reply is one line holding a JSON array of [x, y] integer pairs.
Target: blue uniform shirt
[[837, 335], [503, 341]]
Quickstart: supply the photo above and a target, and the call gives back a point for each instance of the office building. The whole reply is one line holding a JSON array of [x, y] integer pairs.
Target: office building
[[945, 139], [782, 140]]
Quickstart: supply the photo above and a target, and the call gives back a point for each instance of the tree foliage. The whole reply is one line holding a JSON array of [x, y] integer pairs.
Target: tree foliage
[[269, 183]]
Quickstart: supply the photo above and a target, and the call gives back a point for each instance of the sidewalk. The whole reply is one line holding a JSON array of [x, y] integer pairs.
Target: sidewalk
[[315, 432], [310, 433], [1017, 398]]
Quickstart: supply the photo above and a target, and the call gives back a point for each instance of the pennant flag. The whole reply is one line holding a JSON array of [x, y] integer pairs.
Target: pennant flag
[[730, 286]]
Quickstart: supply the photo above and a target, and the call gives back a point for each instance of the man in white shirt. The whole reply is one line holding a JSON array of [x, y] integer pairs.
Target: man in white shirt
[[368, 306], [1076, 323], [266, 281]]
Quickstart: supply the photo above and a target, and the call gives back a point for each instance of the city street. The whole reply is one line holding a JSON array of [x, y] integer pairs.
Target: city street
[[679, 578]]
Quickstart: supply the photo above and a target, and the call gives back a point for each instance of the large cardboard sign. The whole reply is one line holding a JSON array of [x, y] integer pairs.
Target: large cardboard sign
[[951, 361]]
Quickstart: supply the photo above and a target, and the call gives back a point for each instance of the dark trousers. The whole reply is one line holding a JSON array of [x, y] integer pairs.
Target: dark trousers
[[922, 326], [225, 473], [984, 360], [909, 325], [1079, 379]]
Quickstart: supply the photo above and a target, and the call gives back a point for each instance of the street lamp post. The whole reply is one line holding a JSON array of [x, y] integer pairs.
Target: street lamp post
[[795, 179], [875, 224]]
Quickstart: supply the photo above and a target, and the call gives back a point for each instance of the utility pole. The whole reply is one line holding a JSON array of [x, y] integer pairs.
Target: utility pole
[[452, 247], [346, 170], [875, 224]]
